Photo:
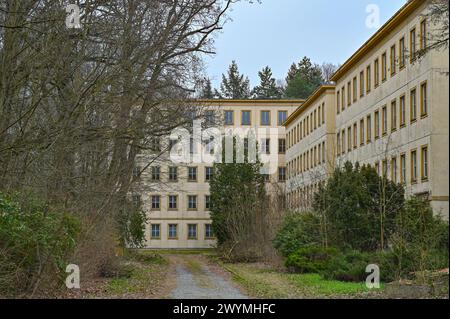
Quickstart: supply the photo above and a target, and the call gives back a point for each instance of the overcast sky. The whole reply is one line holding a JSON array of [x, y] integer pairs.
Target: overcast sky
[[279, 32]]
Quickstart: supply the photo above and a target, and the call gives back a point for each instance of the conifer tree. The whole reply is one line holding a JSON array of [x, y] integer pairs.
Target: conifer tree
[[234, 85], [267, 89]]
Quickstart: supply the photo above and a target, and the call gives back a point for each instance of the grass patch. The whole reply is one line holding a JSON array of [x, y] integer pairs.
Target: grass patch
[[178, 251]]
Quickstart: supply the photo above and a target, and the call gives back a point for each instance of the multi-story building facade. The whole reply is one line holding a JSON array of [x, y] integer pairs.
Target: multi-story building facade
[[391, 107], [176, 197]]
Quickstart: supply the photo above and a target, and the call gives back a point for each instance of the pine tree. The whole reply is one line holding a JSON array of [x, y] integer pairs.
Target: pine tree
[[234, 85], [267, 89], [303, 79], [206, 90]]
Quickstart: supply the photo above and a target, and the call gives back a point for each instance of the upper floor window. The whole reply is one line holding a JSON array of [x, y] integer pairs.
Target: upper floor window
[[282, 174], [265, 118], [384, 67], [229, 117], [368, 79], [355, 92], [192, 174], [393, 115], [423, 34], [209, 172], [402, 52], [402, 111], [156, 173], [413, 104], [282, 146], [393, 60], [423, 99], [210, 118], [361, 84], [246, 118], [377, 72], [173, 174], [349, 94], [265, 147], [282, 117], [412, 44], [192, 202], [156, 202]]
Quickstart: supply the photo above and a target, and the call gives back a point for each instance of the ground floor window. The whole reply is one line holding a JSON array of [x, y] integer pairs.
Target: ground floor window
[[192, 231], [156, 231], [173, 231]]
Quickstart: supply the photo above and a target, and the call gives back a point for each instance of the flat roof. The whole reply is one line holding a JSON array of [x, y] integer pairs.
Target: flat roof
[[250, 101]]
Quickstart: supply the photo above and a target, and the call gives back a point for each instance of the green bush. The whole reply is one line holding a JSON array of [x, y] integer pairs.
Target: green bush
[[34, 245], [310, 259], [348, 266], [298, 230]]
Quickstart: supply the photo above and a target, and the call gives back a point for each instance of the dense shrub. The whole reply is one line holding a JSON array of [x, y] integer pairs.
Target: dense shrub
[[35, 243], [310, 259], [298, 230], [348, 266]]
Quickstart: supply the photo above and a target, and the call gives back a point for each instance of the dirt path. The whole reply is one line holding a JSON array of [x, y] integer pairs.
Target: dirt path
[[197, 278]]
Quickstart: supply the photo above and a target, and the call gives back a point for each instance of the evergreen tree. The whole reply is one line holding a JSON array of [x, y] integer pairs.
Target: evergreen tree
[[206, 90], [234, 85], [267, 89], [303, 79]]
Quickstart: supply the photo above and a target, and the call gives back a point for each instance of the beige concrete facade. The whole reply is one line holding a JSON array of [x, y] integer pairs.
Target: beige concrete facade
[[391, 108], [160, 233]]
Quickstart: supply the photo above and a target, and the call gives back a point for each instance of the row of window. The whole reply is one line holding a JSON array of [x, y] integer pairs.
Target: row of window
[[172, 231], [246, 118], [310, 159], [398, 119], [173, 202], [314, 120], [173, 174], [365, 76]]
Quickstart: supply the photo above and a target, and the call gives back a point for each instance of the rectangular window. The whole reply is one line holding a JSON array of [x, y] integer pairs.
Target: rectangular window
[[338, 102], [412, 44], [384, 120], [413, 166], [173, 202], [377, 72], [192, 202], [209, 231], [155, 144], [207, 202], [393, 60], [423, 100], [423, 34], [315, 119], [349, 139], [384, 67], [369, 129], [209, 172], [355, 89], [229, 117], [173, 231], [265, 145], [281, 174], [349, 93], [192, 231], [361, 132], [282, 117], [343, 141], [265, 118], [156, 173], [413, 104], [210, 118], [402, 52], [394, 115], [403, 168], [377, 124], [173, 174], [246, 118], [402, 111], [338, 143], [192, 174], [156, 231], [394, 169], [156, 202], [323, 113], [343, 98], [368, 79], [424, 167], [361, 84], [385, 168], [355, 135], [282, 146]]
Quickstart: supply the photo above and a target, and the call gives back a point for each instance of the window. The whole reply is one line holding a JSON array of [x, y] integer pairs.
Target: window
[[192, 231], [173, 202], [377, 167], [377, 72], [393, 60], [192, 174], [412, 44], [394, 115], [155, 144], [282, 117], [423, 34], [384, 67], [384, 168], [355, 135], [210, 118], [209, 231], [402, 52], [265, 118], [413, 105], [323, 113], [315, 119], [207, 202], [156, 173], [368, 79], [136, 198], [413, 166], [265, 145], [266, 177], [281, 174], [349, 139], [343, 141], [394, 169], [246, 118], [349, 94], [377, 124], [343, 98], [156, 202], [402, 111], [384, 119], [192, 202], [173, 174], [424, 167], [156, 231], [369, 129], [282, 146], [361, 84], [173, 231], [338, 143], [403, 168], [229, 117], [209, 172], [361, 132], [355, 88], [423, 100]]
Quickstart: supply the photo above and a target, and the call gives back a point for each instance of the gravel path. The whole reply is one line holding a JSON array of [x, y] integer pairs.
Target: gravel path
[[198, 280]]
